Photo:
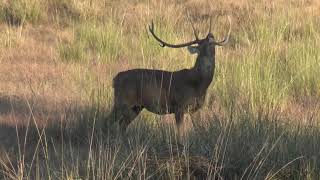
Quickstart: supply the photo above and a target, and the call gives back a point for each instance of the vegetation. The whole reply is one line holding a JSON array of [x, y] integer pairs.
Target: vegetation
[[58, 58]]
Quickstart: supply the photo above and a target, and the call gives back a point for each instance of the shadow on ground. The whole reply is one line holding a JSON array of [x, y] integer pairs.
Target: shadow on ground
[[230, 147]]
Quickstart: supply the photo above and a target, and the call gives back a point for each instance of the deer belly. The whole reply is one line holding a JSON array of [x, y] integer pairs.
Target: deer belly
[[156, 101], [158, 107]]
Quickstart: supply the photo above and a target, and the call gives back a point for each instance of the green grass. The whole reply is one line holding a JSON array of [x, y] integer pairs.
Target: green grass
[[104, 43], [273, 69]]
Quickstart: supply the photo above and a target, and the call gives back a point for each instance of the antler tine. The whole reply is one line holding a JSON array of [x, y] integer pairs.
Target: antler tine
[[226, 39], [195, 32], [210, 20], [163, 43], [151, 29]]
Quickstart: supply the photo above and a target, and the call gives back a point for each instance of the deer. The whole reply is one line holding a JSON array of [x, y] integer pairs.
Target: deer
[[164, 92]]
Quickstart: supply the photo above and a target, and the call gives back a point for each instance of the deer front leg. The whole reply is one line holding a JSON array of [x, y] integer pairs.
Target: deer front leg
[[179, 116], [196, 119]]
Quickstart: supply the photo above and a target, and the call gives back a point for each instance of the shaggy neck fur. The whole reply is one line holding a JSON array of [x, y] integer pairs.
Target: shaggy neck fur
[[205, 63]]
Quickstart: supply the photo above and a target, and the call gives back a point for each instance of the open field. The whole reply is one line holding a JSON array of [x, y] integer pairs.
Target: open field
[[261, 119]]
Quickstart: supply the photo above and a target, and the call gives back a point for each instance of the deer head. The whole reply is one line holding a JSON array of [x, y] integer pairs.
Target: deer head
[[204, 48]]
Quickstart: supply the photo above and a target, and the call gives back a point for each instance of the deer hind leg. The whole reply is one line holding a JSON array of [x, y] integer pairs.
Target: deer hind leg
[[126, 115], [111, 119]]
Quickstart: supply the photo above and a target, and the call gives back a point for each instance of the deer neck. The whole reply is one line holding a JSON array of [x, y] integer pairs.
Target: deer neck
[[205, 66]]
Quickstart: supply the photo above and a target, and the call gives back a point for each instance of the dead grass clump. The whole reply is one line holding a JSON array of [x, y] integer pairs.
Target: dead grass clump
[[180, 167], [16, 12], [62, 11]]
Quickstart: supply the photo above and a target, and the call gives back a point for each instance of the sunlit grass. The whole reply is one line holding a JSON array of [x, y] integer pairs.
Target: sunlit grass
[[94, 42]]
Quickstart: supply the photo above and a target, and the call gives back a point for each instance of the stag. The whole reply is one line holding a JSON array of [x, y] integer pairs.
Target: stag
[[165, 92]]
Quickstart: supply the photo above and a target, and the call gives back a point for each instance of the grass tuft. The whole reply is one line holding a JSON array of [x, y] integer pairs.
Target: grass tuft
[[16, 12]]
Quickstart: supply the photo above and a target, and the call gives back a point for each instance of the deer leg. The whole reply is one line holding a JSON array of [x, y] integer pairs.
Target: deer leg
[[116, 110], [112, 118], [194, 111], [128, 115], [195, 119], [179, 116]]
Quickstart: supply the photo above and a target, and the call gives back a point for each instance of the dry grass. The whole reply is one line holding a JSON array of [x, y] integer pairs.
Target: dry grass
[[58, 57]]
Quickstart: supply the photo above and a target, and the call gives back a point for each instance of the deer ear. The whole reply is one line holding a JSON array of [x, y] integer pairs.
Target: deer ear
[[193, 49]]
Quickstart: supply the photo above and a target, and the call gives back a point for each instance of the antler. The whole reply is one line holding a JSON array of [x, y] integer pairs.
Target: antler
[[194, 30], [163, 43], [210, 24], [226, 39]]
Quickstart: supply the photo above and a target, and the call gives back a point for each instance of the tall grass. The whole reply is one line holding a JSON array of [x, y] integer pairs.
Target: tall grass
[[274, 69], [243, 147], [101, 42]]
